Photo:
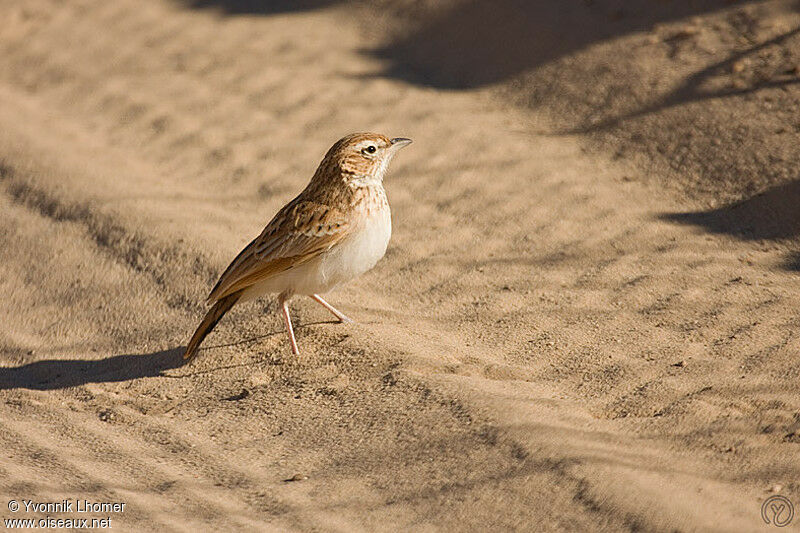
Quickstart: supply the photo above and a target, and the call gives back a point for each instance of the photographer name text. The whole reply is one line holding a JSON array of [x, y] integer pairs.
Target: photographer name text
[[73, 506]]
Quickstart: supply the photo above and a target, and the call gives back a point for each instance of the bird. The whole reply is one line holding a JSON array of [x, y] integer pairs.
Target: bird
[[336, 229]]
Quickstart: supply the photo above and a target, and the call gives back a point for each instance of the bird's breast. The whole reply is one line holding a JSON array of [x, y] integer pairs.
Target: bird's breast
[[361, 250]]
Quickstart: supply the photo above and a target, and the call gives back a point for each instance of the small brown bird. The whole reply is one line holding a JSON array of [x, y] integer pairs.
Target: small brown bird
[[335, 230]]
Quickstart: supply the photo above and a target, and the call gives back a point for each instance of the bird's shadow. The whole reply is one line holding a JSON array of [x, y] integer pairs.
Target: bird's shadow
[[258, 7], [53, 374]]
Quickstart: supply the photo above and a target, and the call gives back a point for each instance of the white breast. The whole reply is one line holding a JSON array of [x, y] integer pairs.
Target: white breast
[[350, 258], [359, 252]]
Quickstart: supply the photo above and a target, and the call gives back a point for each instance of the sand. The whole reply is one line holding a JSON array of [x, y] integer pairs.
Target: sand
[[568, 332]]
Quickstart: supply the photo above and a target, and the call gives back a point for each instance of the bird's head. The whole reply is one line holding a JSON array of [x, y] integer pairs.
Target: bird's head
[[359, 159]]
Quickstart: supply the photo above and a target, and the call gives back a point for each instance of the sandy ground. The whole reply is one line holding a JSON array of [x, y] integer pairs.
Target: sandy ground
[[563, 336]]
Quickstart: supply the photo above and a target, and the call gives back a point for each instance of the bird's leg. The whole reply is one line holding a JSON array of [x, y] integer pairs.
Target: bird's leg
[[283, 300], [338, 314]]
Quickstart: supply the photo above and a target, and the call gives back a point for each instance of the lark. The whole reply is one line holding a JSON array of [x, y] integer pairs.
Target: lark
[[333, 231]]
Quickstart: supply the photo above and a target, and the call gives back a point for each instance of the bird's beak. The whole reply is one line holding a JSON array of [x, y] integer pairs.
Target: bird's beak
[[399, 142]]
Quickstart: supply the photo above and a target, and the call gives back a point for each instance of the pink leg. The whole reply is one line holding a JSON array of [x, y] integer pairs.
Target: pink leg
[[286, 318], [338, 314]]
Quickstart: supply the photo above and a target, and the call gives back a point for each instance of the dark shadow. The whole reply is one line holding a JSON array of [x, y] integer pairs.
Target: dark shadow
[[475, 43], [691, 89], [54, 374], [771, 215], [793, 262], [258, 7], [472, 43]]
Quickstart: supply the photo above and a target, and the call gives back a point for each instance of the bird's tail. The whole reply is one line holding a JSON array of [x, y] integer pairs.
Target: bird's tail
[[222, 306]]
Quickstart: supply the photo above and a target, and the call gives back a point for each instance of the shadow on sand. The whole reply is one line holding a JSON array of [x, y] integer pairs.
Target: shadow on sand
[[475, 43], [258, 7], [54, 374], [691, 89], [772, 215], [468, 44]]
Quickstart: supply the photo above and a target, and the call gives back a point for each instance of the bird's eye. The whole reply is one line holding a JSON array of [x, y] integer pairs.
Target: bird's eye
[[369, 149]]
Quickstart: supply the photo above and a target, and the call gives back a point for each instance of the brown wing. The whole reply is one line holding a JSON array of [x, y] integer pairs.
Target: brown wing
[[299, 232]]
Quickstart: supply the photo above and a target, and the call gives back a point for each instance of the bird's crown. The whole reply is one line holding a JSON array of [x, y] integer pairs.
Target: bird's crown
[[358, 159]]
